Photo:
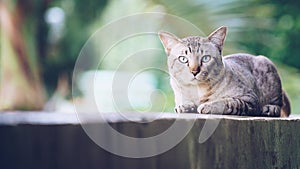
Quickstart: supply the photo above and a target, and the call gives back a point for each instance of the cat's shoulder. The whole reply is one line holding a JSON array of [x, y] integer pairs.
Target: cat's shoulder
[[239, 56], [246, 58], [249, 62], [239, 60]]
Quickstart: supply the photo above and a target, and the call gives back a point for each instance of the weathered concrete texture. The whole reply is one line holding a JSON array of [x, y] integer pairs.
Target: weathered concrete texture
[[57, 140]]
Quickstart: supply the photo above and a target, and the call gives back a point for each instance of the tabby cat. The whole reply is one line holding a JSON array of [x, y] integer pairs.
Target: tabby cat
[[206, 82]]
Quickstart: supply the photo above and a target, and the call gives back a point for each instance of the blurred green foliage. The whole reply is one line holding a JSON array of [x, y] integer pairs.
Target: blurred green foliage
[[275, 30], [61, 55]]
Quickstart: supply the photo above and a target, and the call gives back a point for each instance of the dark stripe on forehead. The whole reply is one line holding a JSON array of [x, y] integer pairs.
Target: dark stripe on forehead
[[198, 48]]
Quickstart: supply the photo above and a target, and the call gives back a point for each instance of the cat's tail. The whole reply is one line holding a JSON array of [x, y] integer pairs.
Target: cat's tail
[[286, 107]]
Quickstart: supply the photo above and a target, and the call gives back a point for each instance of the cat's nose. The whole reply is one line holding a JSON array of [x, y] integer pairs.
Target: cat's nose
[[195, 72], [194, 68]]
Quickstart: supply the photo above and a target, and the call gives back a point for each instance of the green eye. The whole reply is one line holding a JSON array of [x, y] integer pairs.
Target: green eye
[[206, 58], [183, 59]]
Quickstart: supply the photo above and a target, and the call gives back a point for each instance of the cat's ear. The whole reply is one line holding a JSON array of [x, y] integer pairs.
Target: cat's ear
[[218, 36], [168, 40]]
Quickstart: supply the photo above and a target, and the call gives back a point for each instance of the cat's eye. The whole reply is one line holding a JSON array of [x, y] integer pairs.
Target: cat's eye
[[183, 59], [206, 58]]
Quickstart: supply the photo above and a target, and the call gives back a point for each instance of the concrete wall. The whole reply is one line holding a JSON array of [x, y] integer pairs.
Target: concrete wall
[[36, 140]]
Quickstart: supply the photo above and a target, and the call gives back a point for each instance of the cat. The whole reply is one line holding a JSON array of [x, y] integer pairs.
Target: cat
[[206, 82]]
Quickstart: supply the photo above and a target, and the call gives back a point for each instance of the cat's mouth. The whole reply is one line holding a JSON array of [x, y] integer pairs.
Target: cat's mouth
[[201, 77], [196, 80]]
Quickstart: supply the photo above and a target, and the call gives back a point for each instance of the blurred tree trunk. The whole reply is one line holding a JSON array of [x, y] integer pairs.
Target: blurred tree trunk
[[20, 84]]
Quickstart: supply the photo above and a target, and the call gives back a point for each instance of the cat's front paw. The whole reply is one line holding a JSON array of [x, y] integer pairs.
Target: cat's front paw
[[211, 108], [186, 108], [205, 108], [271, 111]]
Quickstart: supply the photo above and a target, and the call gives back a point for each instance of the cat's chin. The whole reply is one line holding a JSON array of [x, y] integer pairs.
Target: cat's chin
[[194, 82]]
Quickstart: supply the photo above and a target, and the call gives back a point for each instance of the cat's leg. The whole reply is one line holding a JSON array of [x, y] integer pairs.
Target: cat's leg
[[271, 111], [229, 106], [187, 107], [215, 107]]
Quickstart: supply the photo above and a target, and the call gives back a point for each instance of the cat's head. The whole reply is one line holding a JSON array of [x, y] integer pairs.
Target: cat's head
[[194, 60]]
